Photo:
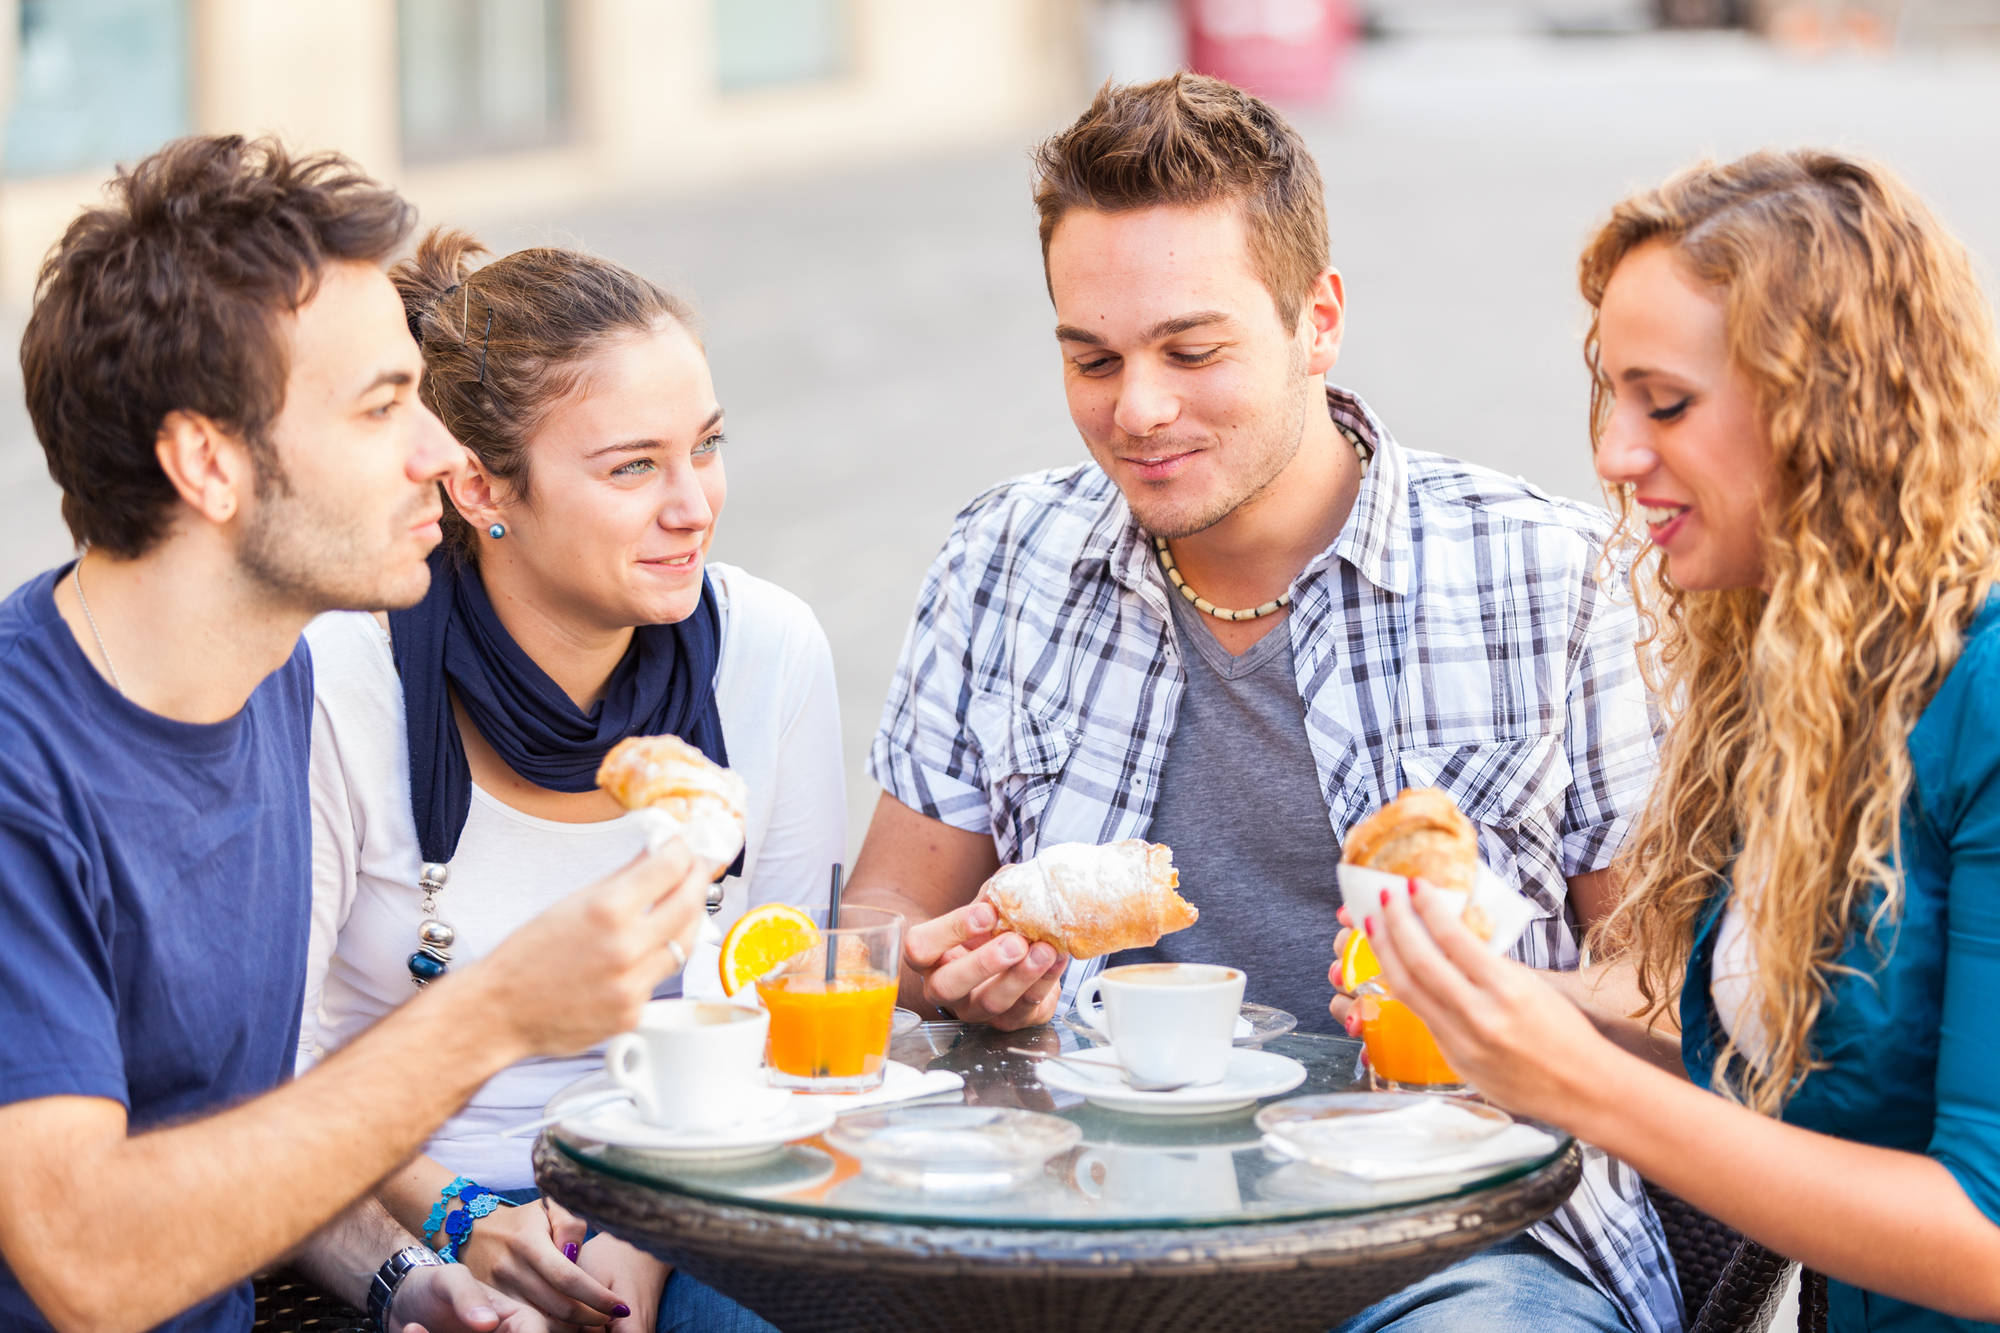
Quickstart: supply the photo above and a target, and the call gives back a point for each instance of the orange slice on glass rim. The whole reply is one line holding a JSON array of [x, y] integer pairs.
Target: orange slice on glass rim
[[1357, 962], [762, 938]]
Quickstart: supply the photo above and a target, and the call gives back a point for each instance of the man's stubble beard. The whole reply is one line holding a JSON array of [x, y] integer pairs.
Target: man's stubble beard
[[311, 557], [1274, 453]]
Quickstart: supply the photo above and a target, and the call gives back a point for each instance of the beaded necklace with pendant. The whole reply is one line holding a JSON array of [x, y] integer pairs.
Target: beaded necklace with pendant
[[434, 937]]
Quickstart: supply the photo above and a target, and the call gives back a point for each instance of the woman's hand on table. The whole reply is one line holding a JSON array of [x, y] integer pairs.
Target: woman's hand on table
[[531, 1253], [979, 976], [1513, 1036], [637, 1278]]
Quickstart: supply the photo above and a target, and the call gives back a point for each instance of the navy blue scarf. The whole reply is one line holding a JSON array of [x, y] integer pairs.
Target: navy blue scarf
[[452, 641]]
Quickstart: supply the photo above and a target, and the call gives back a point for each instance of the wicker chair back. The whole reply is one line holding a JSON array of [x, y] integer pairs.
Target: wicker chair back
[[1729, 1283], [288, 1303]]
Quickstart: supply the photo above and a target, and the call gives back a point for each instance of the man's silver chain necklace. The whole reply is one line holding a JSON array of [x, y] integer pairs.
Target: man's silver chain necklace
[[76, 577]]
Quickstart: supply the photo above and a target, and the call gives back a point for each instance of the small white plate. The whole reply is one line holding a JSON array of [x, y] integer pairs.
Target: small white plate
[[1251, 1076], [620, 1126]]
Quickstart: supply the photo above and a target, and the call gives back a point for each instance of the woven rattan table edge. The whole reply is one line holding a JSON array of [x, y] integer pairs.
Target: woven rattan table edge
[[661, 1221]]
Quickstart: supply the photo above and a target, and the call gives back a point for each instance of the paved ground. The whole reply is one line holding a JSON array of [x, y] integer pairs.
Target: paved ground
[[881, 339]]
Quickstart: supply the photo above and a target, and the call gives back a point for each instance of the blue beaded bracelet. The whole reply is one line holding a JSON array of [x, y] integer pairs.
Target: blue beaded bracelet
[[474, 1202]]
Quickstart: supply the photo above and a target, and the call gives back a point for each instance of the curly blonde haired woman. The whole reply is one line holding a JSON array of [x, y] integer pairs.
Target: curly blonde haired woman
[[1796, 387]]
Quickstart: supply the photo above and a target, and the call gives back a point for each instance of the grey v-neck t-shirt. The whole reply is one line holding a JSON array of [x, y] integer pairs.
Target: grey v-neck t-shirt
[[1240, 804]]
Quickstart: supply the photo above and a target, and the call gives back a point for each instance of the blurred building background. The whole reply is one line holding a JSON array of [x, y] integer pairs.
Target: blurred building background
[[475, 104], [841, 187]]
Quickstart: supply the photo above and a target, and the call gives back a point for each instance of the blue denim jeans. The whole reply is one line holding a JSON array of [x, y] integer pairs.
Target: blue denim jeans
[[1518, 1286], [690, 1307]]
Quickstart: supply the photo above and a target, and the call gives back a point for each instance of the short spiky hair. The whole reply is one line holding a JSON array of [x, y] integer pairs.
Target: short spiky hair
[[1189, 141], [166, 300]]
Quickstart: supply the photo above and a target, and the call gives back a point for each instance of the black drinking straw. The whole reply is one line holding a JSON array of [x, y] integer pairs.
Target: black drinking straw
[[832, 924]]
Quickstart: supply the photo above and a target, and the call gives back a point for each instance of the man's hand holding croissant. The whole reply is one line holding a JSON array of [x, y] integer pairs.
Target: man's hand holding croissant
[[976, 975]]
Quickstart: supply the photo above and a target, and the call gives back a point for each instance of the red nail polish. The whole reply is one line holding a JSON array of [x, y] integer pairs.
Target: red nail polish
[[1368, 927], [1413, 888], [1385, 897]]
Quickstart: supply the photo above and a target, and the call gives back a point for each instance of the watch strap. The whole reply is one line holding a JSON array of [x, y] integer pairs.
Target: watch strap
[[389, 1280]]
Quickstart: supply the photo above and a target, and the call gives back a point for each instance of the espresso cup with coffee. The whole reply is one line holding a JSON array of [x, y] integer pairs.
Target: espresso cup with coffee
[[1168, 1022], [694, 1064]]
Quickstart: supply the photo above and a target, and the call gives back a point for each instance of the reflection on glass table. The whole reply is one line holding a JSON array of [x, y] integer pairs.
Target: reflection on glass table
[[1124, 1169]]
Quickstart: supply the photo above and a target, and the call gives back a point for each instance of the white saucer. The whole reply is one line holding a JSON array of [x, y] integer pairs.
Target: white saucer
[[900, 1083], [1251, 1075], [787, 1118]]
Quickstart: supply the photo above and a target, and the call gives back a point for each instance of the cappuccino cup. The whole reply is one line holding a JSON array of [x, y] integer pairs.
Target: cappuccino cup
[[1168, 1022], [695, 1064]]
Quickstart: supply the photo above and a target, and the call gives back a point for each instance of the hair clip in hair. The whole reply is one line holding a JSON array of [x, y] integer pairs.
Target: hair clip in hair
[[486, 346]]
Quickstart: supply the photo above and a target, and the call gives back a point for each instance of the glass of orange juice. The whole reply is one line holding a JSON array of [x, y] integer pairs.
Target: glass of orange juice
[[830, 1028], [1402, 1054]]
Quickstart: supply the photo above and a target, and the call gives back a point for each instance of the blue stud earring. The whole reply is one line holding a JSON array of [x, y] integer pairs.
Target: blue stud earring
[[497, 531]]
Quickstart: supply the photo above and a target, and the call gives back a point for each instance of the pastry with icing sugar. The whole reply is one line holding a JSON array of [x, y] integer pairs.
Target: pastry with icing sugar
[[678, 792], [1087, 900]]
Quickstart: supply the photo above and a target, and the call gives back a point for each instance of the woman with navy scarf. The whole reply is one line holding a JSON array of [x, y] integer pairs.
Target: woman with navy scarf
[[571, 605]]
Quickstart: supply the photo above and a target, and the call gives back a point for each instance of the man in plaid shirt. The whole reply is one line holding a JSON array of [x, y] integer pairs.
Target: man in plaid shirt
[[1076, 673]]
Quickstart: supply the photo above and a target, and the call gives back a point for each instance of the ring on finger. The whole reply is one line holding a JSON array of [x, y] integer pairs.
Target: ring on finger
[[680, 955]]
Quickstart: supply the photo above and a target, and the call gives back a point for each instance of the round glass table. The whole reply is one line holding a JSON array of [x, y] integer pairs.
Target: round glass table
[[1161, 1223]]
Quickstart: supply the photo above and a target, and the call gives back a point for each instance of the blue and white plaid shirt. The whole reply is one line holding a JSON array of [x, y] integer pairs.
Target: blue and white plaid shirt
[[1454, 635]]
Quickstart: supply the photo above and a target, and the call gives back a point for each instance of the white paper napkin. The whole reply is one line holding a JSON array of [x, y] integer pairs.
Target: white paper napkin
[[893, 1092], [1506, 909], [1432, 1138]]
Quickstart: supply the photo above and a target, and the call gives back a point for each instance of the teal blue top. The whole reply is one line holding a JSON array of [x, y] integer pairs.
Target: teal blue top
[[1912, 1037]]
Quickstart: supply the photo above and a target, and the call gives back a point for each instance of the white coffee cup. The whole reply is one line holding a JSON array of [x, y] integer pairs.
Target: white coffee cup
[[693, 1064], [1168, 1022]]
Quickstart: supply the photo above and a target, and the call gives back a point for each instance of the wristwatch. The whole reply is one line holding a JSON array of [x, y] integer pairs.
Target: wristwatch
[[389, 1278]]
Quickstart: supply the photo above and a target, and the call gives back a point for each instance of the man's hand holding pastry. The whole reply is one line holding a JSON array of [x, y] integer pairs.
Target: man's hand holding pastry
[[978, 972], [1000, 958]]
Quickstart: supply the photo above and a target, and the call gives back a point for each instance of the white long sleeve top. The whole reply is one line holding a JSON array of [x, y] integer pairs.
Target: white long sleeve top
[[781, 721]]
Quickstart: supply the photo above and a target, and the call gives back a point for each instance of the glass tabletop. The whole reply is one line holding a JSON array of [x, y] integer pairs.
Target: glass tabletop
[[1126, 1170]]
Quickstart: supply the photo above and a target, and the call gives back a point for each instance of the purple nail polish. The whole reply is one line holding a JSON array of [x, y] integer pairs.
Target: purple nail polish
[[570, 1251], [622, 1311]]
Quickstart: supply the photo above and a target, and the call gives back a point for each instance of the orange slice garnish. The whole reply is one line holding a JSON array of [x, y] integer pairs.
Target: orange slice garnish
[[1357, 962], [762, 938]]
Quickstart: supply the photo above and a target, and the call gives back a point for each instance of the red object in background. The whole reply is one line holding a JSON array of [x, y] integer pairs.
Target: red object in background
[[1282, 50]]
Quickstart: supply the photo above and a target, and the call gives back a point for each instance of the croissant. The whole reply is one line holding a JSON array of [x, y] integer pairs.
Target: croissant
[[679, 792], [1087, 900], [1422, 835]]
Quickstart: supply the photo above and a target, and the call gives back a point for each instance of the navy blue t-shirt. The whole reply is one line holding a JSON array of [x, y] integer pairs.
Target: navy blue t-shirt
[[155, 895]]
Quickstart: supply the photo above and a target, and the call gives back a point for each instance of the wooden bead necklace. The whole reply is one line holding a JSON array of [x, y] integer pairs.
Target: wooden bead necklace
[[1269, 608]]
